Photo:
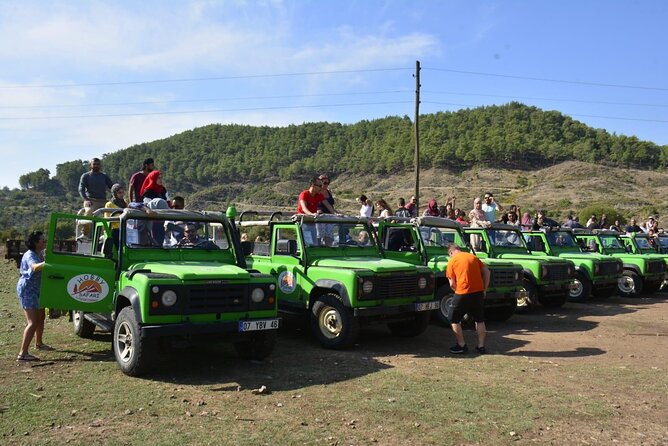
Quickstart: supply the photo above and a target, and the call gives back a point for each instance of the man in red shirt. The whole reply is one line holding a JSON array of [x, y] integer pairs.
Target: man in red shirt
[[310, 199], [137, 180], [469, 278]]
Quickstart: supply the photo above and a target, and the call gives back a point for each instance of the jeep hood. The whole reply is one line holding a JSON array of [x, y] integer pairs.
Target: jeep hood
[[525, 257], [374, 264], [195, 270]]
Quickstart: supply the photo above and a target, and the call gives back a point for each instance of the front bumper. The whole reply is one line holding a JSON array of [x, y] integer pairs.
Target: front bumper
[[497, 299], [554, 288], [192, 329], [394, 310]]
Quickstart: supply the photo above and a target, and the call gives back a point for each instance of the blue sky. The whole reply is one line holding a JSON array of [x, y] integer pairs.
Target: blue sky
[[84, 78]]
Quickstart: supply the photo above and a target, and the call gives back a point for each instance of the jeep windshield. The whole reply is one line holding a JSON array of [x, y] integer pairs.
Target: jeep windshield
[[506, 238], [439, 237], [562, 239], [336, 235], [611, 243], [175, 234], [643, 244]]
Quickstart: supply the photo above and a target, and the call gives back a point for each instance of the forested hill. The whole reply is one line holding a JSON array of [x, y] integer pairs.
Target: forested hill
[[512, 136]]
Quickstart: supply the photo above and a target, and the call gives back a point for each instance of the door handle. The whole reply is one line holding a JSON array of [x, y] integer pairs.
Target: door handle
[[56, 277]]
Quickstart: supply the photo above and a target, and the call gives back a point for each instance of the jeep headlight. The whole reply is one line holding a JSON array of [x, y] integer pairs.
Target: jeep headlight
[[168, 298], [257, 295], [570, 271], [517, 276], [422, 283], [543, 271], [367, 287], [597, 268]]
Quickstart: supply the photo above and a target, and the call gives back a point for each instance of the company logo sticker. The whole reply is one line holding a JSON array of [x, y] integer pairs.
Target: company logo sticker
[[87, 288], [287, 282]]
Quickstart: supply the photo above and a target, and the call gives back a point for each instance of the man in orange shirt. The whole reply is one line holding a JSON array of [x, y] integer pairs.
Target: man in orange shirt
[[469, 278]]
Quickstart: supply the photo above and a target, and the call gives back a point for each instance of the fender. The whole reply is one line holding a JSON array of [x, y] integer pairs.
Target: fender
[[133, 296], [583, 271], [336, 286], [633, 268], [529, 275]]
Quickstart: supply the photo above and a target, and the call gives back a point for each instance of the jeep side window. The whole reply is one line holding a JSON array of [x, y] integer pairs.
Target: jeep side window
[[536, 243], [285, 234], [400, 239], [65, 243]]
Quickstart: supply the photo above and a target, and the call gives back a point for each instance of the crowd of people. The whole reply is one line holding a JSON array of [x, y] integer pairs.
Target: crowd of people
[[485, 211]]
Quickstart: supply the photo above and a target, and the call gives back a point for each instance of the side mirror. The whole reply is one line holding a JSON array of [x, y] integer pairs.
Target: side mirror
[[286, 247]]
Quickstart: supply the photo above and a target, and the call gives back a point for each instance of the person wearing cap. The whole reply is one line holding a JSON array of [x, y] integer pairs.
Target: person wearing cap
[[137, 180]]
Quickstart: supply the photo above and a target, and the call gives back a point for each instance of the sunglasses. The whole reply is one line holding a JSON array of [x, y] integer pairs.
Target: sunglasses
[[325, 182]]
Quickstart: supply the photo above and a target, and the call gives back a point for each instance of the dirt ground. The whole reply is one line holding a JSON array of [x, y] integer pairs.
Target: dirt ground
[[593, 373]]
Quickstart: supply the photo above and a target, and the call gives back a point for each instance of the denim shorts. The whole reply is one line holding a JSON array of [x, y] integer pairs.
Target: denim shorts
[[29, 301]]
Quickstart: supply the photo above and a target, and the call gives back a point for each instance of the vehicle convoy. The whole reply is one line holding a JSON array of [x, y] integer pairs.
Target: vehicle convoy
[[424, 241], [547, 280], [643, 273], [641, 243], [330, 269], [595, 273], [126, 280]]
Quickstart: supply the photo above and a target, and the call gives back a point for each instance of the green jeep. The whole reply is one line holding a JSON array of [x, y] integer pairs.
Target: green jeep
[[428, 239], [642, 272], [595, 273], [547, 280], [127, 278], [640, 243], [331, 269]]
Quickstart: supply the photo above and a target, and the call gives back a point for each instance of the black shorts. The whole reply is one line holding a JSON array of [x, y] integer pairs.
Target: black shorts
[[472, 304]]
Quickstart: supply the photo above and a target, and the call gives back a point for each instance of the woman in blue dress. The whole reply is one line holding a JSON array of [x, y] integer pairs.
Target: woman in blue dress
[[27, 289]]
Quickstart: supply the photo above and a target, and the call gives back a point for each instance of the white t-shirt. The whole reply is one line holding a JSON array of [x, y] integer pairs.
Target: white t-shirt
[[366, 210]]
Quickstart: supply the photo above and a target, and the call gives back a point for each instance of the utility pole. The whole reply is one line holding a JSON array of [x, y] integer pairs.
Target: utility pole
[[416, 130]]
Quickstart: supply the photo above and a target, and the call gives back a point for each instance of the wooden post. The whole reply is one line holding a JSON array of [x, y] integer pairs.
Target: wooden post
[[416, 127]]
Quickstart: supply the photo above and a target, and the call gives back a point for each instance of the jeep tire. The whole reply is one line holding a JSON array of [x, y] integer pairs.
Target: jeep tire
[[629, 284], [580, 292], [256, 345], [413, 327], [133, 353], [82, 326], [332, 323], [531, 299], [443, 294]]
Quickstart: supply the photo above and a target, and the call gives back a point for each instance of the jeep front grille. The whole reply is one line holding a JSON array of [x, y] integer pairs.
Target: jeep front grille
[[655, 266], [217, 299], [557, 272], [503, 277], [607, 268], [395, 286]]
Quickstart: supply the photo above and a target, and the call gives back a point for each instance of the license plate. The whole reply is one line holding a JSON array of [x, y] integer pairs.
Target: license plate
[[265, 324], [427, 306]]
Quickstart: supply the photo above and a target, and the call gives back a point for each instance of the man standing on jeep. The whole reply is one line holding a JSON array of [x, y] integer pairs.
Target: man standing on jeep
[[93, 187], [310, 199], [491, 207], [469, 278]]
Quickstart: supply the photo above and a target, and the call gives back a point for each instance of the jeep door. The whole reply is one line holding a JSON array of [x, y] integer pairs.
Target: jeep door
[[82, 278], [288, 267], [401, 242]]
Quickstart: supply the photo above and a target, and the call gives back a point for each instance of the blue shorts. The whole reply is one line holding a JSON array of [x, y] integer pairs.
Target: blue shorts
[[29, 301]]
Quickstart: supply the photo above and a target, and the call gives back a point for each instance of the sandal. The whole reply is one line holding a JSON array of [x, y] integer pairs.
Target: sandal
[[27, 357], [44, 347]]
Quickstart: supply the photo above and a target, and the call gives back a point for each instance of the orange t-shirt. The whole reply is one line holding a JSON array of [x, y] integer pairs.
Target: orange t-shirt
[[466, 269]]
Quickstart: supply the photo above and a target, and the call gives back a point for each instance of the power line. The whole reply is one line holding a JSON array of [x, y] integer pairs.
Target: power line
[[581, 101], [201, 79], [113, 115], [184, 101], [620, 118], [542, 79]]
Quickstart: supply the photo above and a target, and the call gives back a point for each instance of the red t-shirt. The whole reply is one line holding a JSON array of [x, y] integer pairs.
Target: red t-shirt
[[312, 201]]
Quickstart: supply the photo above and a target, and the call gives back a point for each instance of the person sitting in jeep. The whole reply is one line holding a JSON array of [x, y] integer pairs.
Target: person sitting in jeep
[[191, 238]]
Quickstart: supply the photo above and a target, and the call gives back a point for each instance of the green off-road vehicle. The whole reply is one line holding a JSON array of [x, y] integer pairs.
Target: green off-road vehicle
[[547, 280], [641, 243], [330, 268], [595, 273], [127, 278], [643, 273], [424, 241]]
